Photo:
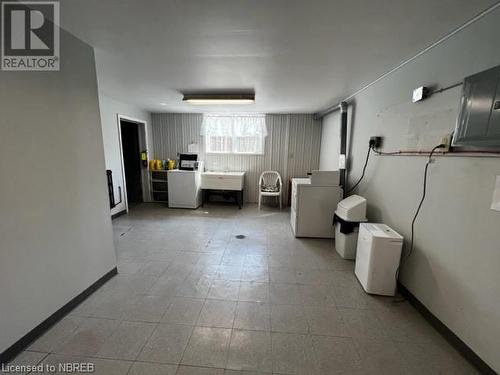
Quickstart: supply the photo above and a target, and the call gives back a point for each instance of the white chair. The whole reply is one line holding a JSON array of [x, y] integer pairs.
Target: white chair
[[270, 185]]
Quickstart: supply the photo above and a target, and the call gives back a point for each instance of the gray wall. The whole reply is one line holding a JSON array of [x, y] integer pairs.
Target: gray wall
[[110, 109], [454, 269], [292, 147], [55, 230], [330, 143]]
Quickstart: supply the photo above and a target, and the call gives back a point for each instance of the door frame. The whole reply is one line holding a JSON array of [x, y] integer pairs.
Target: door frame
[[143, 134]]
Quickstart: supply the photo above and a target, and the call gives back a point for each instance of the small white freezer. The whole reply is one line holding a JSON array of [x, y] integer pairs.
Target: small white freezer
[[184, 188], [378, 255]]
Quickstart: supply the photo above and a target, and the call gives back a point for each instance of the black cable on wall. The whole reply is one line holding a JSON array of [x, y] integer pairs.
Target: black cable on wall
[[419, 207], [363, 173]]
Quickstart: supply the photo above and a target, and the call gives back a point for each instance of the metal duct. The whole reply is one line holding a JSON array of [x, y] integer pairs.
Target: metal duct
[[343, 145]]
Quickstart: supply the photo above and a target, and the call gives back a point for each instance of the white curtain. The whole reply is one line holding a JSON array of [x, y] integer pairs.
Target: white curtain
[[234, 125]]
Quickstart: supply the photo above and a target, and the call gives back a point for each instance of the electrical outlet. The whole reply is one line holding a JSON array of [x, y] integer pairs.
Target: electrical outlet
[[495, 204], [446, 141], [375, 142], [341, 161]]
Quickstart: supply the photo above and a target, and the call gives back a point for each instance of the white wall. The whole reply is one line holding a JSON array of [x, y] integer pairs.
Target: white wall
[[454, 267], [110, 109], [55, 230], [330, 143]]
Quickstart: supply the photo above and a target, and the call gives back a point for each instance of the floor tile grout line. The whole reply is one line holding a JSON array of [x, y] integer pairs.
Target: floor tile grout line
[[145, 343], [232, 327], [41, 360], [189, 340], [239, 329]]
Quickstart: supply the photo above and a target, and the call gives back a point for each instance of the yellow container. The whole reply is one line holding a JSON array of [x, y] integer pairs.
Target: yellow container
[[152, 165], [159, 164], [171, 164]]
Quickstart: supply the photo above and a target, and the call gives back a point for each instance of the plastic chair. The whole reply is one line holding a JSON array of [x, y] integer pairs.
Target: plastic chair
[[270, 185]]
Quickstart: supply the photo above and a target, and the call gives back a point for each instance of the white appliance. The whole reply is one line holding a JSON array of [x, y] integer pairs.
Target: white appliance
[[314, 200], [349, 214], [232, 182], [184, 188], [352, 208], [222, 180], [377, 258]]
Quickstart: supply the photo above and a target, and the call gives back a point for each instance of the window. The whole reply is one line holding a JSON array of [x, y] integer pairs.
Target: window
[[234, 134]]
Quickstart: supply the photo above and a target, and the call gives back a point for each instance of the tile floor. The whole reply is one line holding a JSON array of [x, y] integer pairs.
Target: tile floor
[[191, 299]]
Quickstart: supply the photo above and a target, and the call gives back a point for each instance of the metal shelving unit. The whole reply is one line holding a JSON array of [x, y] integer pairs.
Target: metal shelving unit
[[158, 185]]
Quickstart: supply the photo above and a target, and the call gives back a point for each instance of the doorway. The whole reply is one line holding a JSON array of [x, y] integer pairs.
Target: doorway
[[131, 149]]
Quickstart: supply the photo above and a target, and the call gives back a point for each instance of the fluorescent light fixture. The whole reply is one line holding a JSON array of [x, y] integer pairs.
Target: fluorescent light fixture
[[248, 98], [220, 101], [163, 104]]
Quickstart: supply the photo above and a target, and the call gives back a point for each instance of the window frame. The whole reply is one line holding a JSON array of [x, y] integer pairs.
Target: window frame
[[231, 139]]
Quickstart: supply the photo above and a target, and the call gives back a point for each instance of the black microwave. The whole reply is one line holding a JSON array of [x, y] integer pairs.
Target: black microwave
[[188, 162]]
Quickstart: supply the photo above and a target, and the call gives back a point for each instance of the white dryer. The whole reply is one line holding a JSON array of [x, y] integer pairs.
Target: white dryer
[[314, 201]]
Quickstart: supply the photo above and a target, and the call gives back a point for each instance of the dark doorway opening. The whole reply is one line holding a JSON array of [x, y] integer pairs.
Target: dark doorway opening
[[132, 160]]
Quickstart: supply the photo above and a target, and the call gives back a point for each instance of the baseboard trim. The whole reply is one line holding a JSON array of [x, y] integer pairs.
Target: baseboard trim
[[447, 333], [118, 214], [40, 329]]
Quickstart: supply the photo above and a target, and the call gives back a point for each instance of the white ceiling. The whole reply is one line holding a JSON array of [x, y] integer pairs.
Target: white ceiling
[[299, 56]]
